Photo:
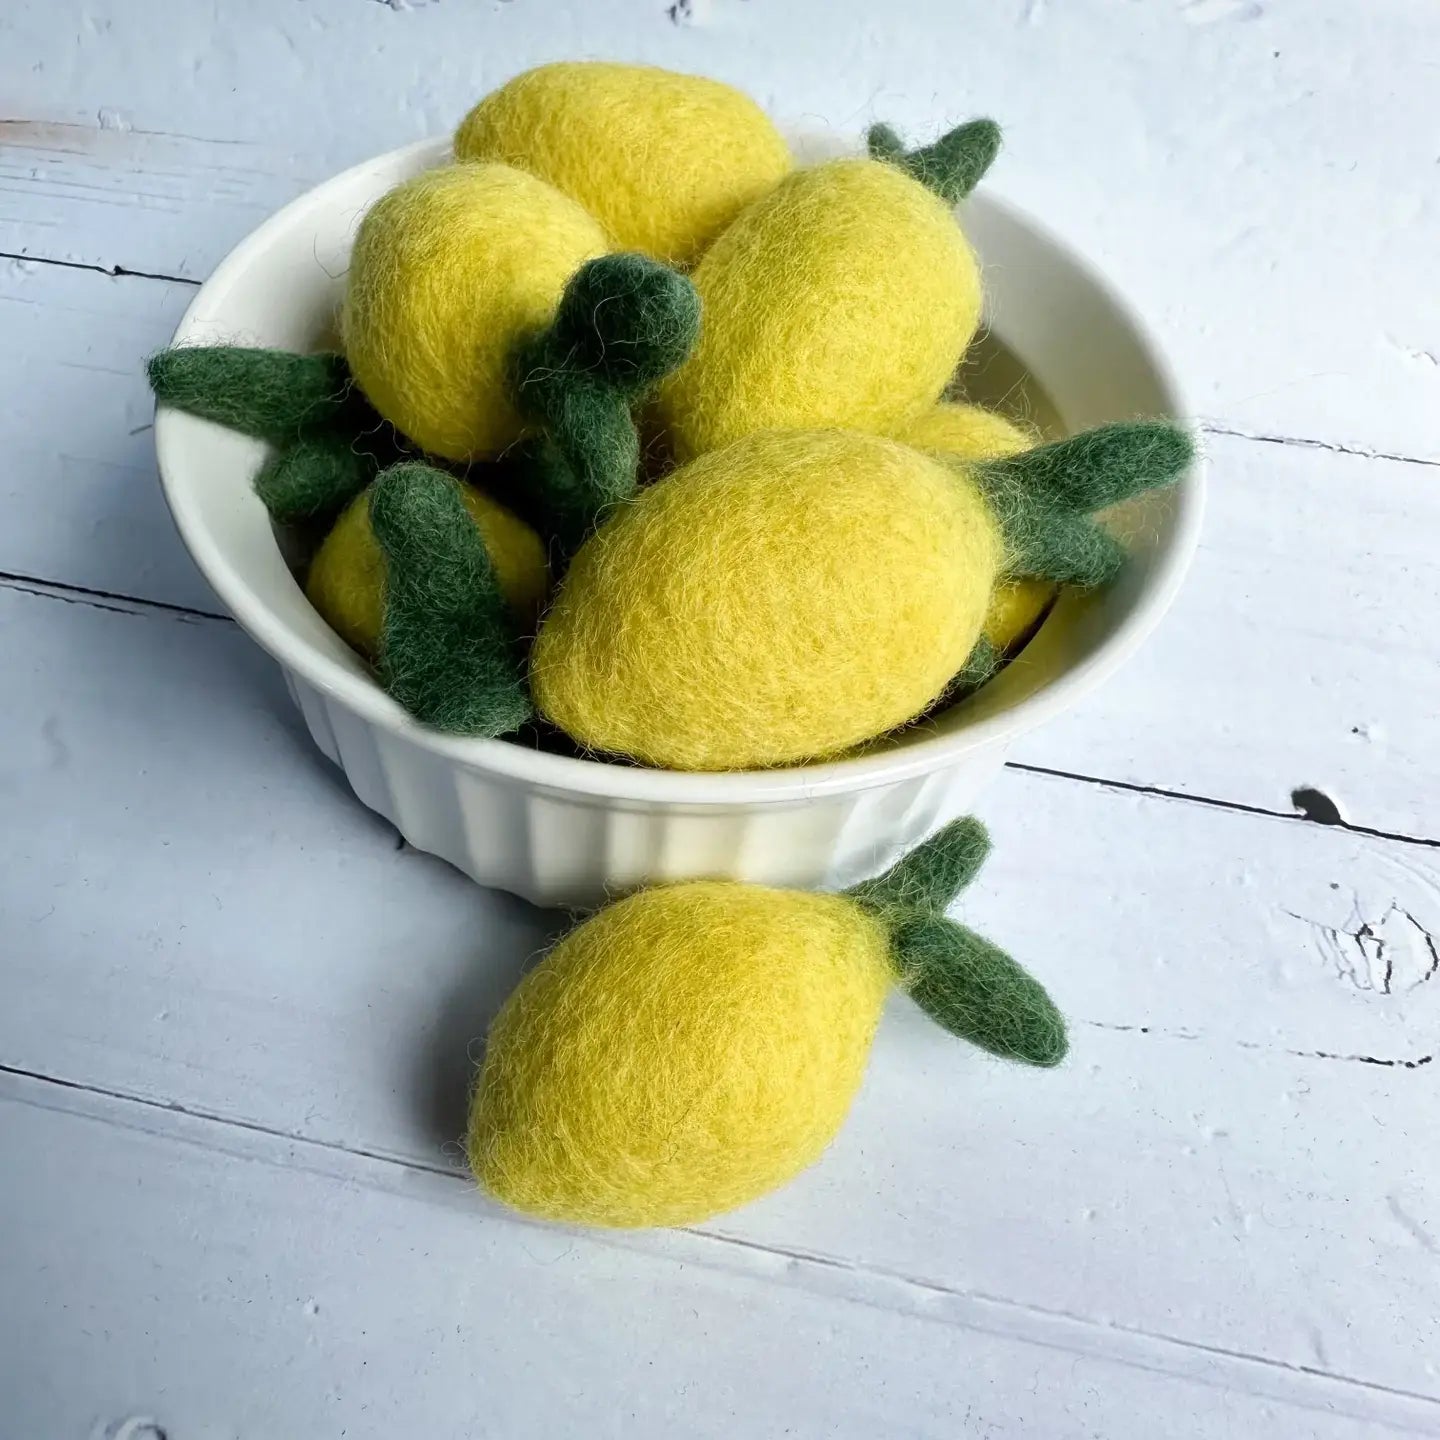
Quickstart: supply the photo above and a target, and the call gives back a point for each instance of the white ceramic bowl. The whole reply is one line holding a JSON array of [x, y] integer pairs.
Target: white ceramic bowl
[[564, 831]]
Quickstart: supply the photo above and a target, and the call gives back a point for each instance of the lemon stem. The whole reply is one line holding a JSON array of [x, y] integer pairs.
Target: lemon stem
[[623, 324], [973, 989], [330, 442], [964, 983], [932, 875], [952, 166], [1044, 499]]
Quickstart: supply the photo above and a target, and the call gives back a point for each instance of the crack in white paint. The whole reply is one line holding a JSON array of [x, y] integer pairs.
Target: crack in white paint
[[1215, 427], [1411, 1226], [1418, 1062], [1421, 356], [1389, 956]]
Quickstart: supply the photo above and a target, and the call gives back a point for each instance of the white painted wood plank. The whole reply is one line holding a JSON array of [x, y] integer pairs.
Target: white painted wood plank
[[1301, 652], [1207, 153], [1241, 1156], [1298, 654], [233, 1284], [200, 916], [79, 487]]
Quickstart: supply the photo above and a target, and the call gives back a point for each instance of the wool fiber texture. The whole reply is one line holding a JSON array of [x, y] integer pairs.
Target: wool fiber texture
[[449, 272], [1044, 498], [663, 161], [311, 476], [623, 323], [1101, 467], [449, 651], [976, 991], [966, 984], [273, 395], [346, 581], [846, 296], [969, 432], [776, 601], [950, 167], [930, 878], [1016, 609], [681, 1053], [330, 443]]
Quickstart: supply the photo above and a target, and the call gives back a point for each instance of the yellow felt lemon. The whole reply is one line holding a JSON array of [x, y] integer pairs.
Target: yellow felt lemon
[[846, 296], [971, 432], [1016, 608], [346, 582], [778, 600], [782, 599], [683, 1052], [696, 1045], [664, 161], [449, 271]]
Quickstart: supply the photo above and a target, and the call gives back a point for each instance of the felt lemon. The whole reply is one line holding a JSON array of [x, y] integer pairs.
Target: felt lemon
[[696, 1045], [1016, 609], [450, 271], [663, 161], [970, 432], [798, 592], [845, 296], [777, 600], [346, 581]]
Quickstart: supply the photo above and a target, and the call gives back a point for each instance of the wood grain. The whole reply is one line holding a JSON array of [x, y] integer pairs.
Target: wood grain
[[1207, 155], [237, 1020], [302, 976], [1292, 658], [319, 1293]]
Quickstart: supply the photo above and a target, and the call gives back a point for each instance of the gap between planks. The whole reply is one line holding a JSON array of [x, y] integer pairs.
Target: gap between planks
[[112, 272], [119, 603], [1208, 427], [1303, 443], [1309, 1387]]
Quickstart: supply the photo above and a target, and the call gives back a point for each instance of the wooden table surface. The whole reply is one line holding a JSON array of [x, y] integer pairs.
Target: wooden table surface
[[234, 1015]]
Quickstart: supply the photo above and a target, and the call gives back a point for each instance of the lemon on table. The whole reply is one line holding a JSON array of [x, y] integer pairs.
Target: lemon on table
[[696, 1045]]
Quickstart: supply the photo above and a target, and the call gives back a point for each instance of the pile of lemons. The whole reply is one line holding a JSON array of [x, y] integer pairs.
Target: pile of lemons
[[649, 432], [714, 382]]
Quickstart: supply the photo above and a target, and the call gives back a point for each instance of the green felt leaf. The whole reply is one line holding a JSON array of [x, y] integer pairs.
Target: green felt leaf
[[1096, 468], [1069, 549], [976, 991], [314, 477], [448, 650], [951, 166], [885, 144], [930, 877], [1044, 498], [274, 395], [625, 318], [624, 322]]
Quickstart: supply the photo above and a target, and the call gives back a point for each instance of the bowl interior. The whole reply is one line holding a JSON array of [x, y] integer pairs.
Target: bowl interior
[[1060, 349]]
